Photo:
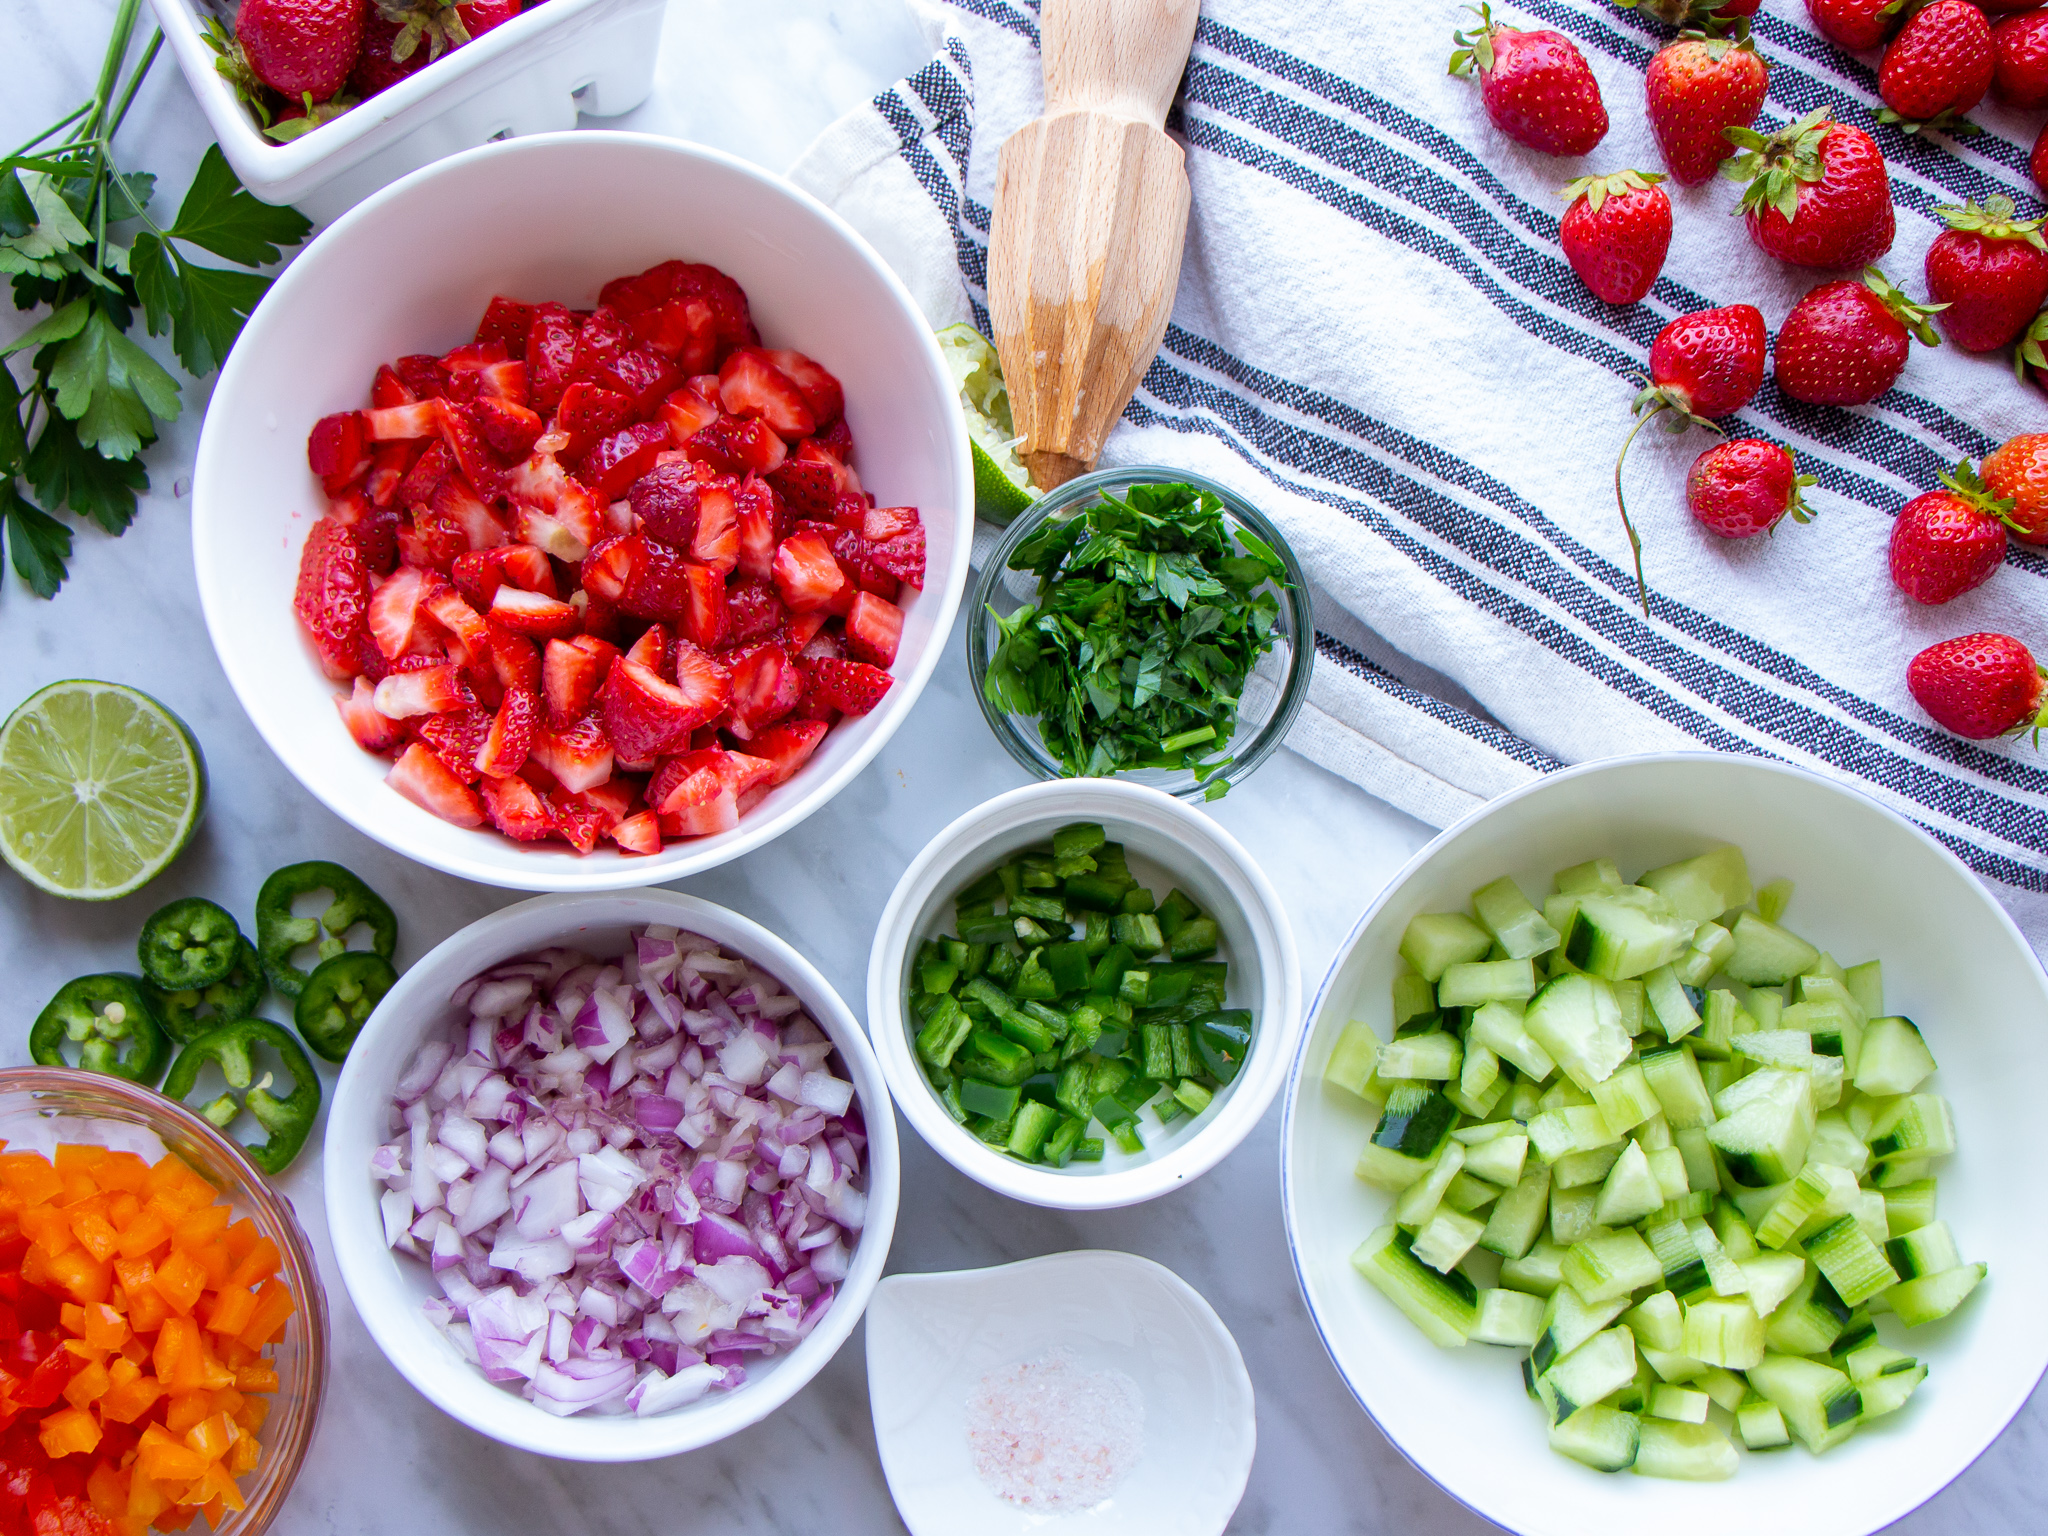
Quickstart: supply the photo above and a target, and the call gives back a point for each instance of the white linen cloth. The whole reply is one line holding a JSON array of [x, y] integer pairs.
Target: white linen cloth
[[1378, 340]]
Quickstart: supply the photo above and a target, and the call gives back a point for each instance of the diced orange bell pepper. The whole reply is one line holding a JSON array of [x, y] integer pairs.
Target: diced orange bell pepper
[[146, 1232], [128, 1401], [176, 1518], [87, 1385], [29, 1176], [68, 1432], [254, 1411], [78, 1157], [219, 1489], [257, 1376], [48, 1228], [79, 1184], [145, 1498], [245, 1455], [107, 1487], [167, 1461], [105, 1328], [179, 1280], [202, 1226], [211, 1436], [176, 1355], [274, 1308], [95, 1233], [122, 1171], [233, 1310], [213, 1261], [81, 1275]]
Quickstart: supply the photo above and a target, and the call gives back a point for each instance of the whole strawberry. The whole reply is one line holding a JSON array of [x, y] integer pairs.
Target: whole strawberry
[[1854, 24], [1980, 686], [1745, 487], [301, 47], [1696, 87], [1991, 270], [2019, 46], [1937, 68], [2017, 471], [1948, 541], [1817, 193], [2037, 162], [1702, 365], [1845, 343], [1616, 232], [378, 69], [1535, 86]]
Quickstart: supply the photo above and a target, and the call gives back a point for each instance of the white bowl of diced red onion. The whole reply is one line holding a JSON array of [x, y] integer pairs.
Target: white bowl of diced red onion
[[426, 492], [611, 1176]]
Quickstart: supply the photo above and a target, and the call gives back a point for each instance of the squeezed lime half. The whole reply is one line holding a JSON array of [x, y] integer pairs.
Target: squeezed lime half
[[1002, 488], [100, 788]]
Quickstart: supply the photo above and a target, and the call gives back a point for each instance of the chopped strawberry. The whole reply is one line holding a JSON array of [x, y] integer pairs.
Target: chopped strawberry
[[534, 613], [851, 686], [423, 375], [463, 625], [478, 464], [651, 649], [387, 389], [665, 499], [788, 746], [638, 833], [373, 528], [504, 381], [615, 461], [425, 476], [516, 809], [817, 452], [646, 717], [874, 629], [426, 782], [807, 489], [766, 685], [515, 660], [553, 512], [894, 537], [456, 738], [338, 451], [614, 800], [508, 427], [579, 756], [432, 690], [550, 353], [570, 677], [390, 463], [716, 540], [432, 540], [757, 531], [511, 735], [806, 574], [643, 376], [837, 440], [800, 634], [628, 297], [599, 341], [702, 679], [372, 731], [480, 573], [589, 412], [657, 580], [821, 391], [421, 418], [751, 385], [717, 811], [683, 329], [752, 612], [481, 526], [735, 445], [506, 321], [575, 820], [333, 596], [608, 566], [686, 413]]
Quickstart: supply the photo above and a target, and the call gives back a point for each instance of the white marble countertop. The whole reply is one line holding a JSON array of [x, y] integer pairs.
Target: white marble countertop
[[385, 1460]]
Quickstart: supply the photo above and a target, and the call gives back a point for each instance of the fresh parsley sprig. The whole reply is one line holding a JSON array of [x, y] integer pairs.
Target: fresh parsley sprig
[[1150, 615], [73, 430]]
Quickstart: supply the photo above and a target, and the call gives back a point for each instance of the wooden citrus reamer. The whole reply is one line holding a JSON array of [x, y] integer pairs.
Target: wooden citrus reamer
[[1090, 218]]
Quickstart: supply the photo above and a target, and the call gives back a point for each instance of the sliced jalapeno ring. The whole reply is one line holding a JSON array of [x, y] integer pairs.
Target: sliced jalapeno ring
[[1222, 1040], [338, 1000], [188, 945], [280, 934], [111, 1020], [231, 1048], [187, 1014]]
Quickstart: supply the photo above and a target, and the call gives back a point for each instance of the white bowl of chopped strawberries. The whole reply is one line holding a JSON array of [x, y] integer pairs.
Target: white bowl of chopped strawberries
[[582, 511]]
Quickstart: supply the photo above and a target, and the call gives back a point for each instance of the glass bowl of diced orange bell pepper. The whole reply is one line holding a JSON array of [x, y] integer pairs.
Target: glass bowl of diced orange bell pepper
[[163, 1333]]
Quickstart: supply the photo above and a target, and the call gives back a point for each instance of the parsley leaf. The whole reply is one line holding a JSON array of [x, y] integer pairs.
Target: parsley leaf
[[112, 389], [203, 308], [17, 213], [37, 542], [221, 217], [66, 473], [60, 326]]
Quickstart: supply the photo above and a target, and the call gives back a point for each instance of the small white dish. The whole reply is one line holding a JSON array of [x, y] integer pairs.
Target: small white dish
[[1869, 884], [933, 1338], [1170, 844], [388, 1289]]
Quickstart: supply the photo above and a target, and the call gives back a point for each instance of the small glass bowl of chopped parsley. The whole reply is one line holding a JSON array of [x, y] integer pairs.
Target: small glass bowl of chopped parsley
[[1144, 624]]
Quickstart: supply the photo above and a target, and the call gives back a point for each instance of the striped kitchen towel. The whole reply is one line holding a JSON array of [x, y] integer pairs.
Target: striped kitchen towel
[[1377, 338]]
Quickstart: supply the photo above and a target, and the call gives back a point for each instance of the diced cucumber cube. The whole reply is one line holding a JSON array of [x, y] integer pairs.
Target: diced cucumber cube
[[1680, 1405], [1788, 1048], [1419, 1200], [1513, 1318], [1766, 955], [1610, 1264], [1604, 1439], [1557, 1133], [1674, 1077], [1515, 924], [1444, 1306], [1387, 1169], [1447, 1237], [1888, 1392], [1571, 1214], [1894, 1059], [1934, 1296], [1500, 1160], [1809, 1320], [1630, 1192], [1671, 1365], [1472, 982], [1416, 1122], [1711, 946], [1694, 886], [1764, 1138], [1352, 1058], [1834, 1141], [1634, 1006], [1622, 935], [1724, 1332], [1854, 1265], [1908, 1206], [1819, 1403], [1918, 1126], [1518, 1216], [1667, 1166], [1539, 1271], [1820, 1190], [1927, 1250], [1772, 1277], [1866, 984], [1593, 875], [1693, 1453], [1626, 1099], [1603, 1364], [1435, 941], [1500, 1028], [1761, 1426], [1773, 897], [1577, 1022], [1675, 1013], [1468, 1194], [1578, 1169], [1433, 1056]]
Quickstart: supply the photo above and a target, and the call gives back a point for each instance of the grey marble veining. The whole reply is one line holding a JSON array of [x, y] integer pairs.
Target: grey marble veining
[[759, 79]]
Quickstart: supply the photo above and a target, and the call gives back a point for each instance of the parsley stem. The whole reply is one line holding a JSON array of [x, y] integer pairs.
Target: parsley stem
[[1187, 739], [57, 127], [110, 67]]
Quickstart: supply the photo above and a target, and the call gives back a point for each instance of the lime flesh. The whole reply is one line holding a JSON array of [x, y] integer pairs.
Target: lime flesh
[[100, 788], [1002, 489]]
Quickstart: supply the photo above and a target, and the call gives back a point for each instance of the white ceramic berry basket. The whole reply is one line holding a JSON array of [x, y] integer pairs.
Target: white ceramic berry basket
[[532, 75], [615, 203]]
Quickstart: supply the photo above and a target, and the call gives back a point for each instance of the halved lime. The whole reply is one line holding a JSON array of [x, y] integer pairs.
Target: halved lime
[[100, 788], [1002, 488]]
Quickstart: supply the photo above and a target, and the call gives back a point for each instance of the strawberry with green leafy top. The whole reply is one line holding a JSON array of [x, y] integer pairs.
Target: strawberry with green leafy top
[[1845, 343], [1855, 24], [1991, 271], [1616, 232], [1936, 69], [2017, 471], [1694, 89], [1534, 85], [1817, 194], [1746, 487], [1950, 540], [1981, 686]]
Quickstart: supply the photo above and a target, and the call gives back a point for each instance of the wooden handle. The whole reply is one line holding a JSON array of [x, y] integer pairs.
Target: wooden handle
[[1090, 219], [1123, 58]]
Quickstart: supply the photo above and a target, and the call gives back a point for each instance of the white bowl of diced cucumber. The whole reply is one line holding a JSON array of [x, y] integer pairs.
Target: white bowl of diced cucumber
[[1677, 1115], [1084, 994]]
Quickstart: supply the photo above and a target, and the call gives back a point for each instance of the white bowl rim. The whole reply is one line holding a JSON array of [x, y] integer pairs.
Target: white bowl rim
[[1280, 1013], [1421, 857], [675, 861], [512, 1420]]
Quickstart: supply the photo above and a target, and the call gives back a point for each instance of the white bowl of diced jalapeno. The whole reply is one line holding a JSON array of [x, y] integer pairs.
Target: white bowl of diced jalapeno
[[1615, 1142], [1084, 994]]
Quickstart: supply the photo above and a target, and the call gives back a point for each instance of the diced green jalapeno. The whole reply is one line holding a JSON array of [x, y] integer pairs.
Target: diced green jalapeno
[[111, 1020], [340, 995], [288, 1120]]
